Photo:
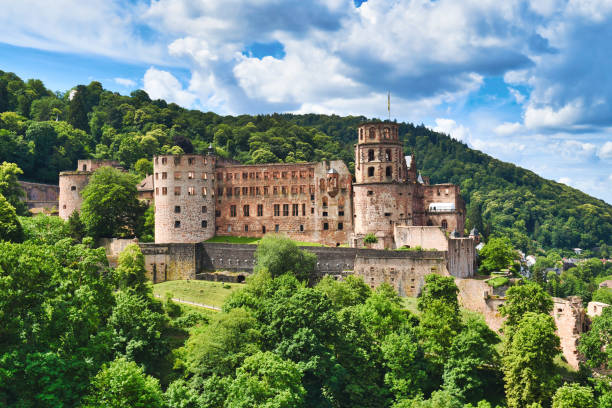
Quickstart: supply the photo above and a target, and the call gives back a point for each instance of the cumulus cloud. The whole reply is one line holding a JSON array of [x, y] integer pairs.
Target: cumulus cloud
[[508, 128], [565, 180], [451, 128], [163, 85], [605, 152]]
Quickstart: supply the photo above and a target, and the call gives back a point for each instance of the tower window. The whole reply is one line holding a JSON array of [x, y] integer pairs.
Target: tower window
[[191, 174], [360, 134], [204, 223], [191, 190], [386, 133], [73, 188], [177, 224], [164, 190], [370, 171], [190, 160], [388, 171], [177, 191], [371, 155], [340, 226], [325, 225], [177, 209], [388, 155], [372, 133], [204, 209], [324, 201]]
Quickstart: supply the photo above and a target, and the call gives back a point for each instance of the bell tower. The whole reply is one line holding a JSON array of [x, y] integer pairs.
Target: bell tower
[[379, 155], [381, 192]]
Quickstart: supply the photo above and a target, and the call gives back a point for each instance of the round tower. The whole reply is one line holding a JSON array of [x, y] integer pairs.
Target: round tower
[[71, 184], [184, 192], [380, 188]]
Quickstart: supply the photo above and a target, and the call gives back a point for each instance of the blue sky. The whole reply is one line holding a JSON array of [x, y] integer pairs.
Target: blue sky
[[526, 82]]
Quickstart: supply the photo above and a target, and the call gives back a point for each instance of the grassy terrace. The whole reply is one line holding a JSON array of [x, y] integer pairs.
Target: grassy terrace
[[208, 293], [251, 241]]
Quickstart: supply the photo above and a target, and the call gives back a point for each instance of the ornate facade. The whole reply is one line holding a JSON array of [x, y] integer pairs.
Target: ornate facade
[[199, 196]]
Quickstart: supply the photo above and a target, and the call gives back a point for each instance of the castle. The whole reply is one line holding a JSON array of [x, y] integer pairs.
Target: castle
[[197, 197]]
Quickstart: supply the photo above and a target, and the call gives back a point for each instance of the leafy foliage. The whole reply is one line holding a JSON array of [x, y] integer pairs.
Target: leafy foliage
[[279, 255], [10, 226]]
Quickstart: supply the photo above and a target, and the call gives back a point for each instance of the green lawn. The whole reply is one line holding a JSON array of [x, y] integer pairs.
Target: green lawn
[[251, 241], [208, 293]]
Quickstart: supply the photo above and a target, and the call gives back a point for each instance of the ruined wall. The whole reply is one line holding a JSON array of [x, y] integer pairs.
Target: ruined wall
[[305, 201], [404, 271], [595, 309], [40, 195], [425, 237], [71, 184], [92, 164], [477, 295], [570, 319], [184, 198], [165, 262], [461, 257]]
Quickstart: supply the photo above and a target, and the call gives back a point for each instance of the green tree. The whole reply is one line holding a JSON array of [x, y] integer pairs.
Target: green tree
[[77, 109], [76, 227], [123, 383], [521, 299], [497, 254], [44, 229], [595, 344], [143, 167], [10, 188], [279, 255], [110, 205], [407, 371], [131, 272], [528, 366], [10, 227], [573, 396], [350, 292], [266, 380]]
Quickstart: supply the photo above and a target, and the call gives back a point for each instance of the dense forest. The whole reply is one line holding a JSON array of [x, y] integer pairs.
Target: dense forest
[[45, 132]]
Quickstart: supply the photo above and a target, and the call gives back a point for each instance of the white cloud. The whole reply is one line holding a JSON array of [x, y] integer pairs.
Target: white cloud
[[605, 152], [508, 128], [451, 128], [574, 150], [163, 85], [125, 82], [518, 96], [565, 180], [568, 115]]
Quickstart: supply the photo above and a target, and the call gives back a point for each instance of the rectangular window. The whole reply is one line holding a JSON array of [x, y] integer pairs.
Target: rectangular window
[[72, 188], [191, 174], [265, 175], [217, 213], [204, 223], [275, 190], [156, 190], [285, 210], [284, 174], [177, 209], [303, 209], [164, 175], [266, 190], [204, 209], [164, 190], [164, 160], [246, 228], [276, 210], [245, 191], [177, 191], [284, 190], [232, 211], [177, 175], [245, 176], [204, 191], [245, 210], [191, 191], [220, 191], [276, 228], [156, 176], [312, 197], [237, 191], [340, 226], [219, 176], [301, 228], [204, 176], [229, 228], [229, 191], [190, 160], [340, 213], [177, 224], [260, 210], [177, 161], [295, 210], [325, 226]]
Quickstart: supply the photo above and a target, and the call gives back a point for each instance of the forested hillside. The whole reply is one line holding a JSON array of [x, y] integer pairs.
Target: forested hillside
[[45, 133]]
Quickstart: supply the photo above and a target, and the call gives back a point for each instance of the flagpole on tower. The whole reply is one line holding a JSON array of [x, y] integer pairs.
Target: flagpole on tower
[[389, 104]]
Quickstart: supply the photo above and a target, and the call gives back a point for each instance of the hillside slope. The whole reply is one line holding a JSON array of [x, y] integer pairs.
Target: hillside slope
[[45, 133]]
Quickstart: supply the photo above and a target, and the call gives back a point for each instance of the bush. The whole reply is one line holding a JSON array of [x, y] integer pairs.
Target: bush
[[370, 239], [498, 281]]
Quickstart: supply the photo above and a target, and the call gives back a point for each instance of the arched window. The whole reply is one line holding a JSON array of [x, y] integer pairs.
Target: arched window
[[370, 171], [444, 224], [388, 171], [372, 133], [386, 133], [388, 155], [371, 155]]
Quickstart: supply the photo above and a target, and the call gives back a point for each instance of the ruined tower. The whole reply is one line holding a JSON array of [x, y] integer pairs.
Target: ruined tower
[[380, 188], [184, 198]]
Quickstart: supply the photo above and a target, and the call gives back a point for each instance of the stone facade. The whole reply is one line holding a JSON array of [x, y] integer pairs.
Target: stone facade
[[40, 195], [571, 321], [199, 196], [595, 309]]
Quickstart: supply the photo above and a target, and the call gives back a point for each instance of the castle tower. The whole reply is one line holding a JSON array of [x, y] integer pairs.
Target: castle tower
[[184, 190], [380, 189]]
